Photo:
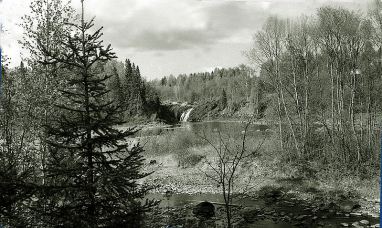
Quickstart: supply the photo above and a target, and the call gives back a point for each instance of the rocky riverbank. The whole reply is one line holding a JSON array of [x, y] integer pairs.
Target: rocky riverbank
[[274, 208], [294, 201]]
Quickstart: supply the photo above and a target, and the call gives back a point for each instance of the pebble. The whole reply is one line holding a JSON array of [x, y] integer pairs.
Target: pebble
[[301, 217], [375, 226], [287, 218], [355, 214], [344, 224], [364, 222], [356, 224]]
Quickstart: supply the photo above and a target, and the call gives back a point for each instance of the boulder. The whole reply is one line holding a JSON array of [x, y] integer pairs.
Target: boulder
[[349, 206], [153, 162], [249, 214], [204, 210], [274, 194]]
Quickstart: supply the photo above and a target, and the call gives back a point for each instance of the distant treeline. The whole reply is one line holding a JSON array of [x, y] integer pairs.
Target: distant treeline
[[232, 88]]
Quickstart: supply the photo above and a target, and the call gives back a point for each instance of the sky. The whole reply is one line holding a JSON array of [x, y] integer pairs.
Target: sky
[[173, 36]]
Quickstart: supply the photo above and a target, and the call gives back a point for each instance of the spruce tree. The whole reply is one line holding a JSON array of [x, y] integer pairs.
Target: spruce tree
[[142, 89], [223, 100], [134, 89], [92, 171], [116, 88], [129, 87], [139, 92]]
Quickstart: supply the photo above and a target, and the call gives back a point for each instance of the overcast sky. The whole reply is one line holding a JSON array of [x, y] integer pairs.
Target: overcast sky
[[174, 36]]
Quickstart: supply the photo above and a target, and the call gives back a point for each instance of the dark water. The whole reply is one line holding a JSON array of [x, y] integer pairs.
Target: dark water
[[231, 129], [284, 206], [179, 200]]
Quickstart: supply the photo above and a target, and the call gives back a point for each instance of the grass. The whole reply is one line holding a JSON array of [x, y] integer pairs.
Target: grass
[[177, 143]]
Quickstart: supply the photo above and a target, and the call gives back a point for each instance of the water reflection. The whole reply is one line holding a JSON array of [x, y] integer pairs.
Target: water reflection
[[207, 128]]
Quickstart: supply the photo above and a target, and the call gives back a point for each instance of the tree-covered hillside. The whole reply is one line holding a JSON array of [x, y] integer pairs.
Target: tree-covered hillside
[[228, 88]]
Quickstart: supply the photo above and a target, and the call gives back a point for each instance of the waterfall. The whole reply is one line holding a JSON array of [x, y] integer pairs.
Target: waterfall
[[185, 115]]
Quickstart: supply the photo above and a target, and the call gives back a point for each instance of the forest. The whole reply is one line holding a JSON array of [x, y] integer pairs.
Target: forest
[[316, 81]]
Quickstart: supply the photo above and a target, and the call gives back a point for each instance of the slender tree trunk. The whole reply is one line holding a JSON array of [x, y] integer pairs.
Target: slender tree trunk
[[351, 113], [296, 97], [89, 146], [280, 122], [332, 98], [290, 122], [306, 111]]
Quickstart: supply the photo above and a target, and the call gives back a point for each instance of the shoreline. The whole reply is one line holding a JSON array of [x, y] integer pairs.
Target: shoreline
[[191, 181]]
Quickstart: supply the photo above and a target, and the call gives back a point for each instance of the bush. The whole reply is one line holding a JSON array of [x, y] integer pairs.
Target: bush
[[176, 142], [189, 160]]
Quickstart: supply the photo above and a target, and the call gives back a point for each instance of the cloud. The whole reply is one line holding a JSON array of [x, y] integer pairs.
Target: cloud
[[174, 36], [169, 25], [174, 39], [179, 25]]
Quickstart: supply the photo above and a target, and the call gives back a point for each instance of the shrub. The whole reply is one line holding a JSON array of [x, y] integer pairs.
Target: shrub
[[190, 160]]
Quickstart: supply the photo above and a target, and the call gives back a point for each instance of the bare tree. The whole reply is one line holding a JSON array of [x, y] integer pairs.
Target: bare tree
[[226, 164]]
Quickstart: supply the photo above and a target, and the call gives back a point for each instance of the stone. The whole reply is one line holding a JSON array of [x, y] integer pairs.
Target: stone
[[364, 222], [204, 210], [249, 214], [355, 214], [269, 212], [153, 162], [349, 206], [332, 206], [344, 224], [356, 224], [286, 218], [206, 224], [301, 217], [274, 194]]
